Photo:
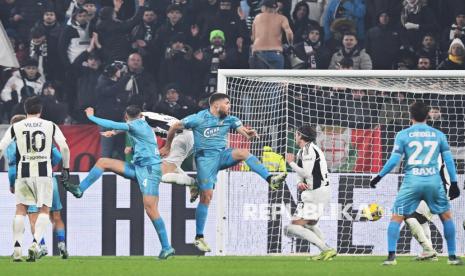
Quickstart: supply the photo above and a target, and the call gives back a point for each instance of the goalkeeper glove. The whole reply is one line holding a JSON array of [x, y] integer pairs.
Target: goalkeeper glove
[[454, 191], [64, 174], [375, 181]]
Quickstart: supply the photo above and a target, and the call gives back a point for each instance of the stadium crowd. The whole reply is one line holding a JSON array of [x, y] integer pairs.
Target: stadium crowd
[[164, 55]]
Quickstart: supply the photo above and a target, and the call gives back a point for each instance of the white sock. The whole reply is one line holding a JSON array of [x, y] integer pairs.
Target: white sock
[[315, 229], [41, 225], [18, 229], [178, 178], [306, 234], [419, 234], [427, 231]]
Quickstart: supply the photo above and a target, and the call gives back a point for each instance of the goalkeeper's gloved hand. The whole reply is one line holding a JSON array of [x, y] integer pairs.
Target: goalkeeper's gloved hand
[[375, 181], [64, 174], [454, 191]]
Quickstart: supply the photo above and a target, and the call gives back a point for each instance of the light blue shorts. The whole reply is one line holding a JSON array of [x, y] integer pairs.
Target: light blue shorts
[[209, 163], [148, 177]]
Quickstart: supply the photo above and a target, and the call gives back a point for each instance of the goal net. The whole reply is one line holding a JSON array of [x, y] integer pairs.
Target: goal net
[[356, 114]]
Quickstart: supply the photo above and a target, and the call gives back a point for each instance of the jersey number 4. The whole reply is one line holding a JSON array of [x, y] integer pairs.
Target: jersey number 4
[[432, 145], [32, 141]]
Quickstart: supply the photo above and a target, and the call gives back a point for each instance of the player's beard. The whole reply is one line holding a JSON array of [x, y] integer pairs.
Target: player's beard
[[222, 114]]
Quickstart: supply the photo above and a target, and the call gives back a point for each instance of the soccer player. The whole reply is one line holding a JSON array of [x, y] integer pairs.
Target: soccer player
[[145, 168], [211, 127], [312, 172], [421, 145], [33, 186], [32, 211], [171, 164]]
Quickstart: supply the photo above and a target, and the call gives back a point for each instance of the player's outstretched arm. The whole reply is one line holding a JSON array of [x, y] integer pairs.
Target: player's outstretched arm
[[248, 133], [105, 123], [395, 158], [454, 191], [170, 136]]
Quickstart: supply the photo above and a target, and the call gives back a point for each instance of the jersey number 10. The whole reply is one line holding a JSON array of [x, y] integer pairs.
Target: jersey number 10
[[32, 139]]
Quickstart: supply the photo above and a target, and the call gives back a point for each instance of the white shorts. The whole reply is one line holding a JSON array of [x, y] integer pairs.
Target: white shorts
[[313, 204], [34, 191], [181, 147], [424, 210]]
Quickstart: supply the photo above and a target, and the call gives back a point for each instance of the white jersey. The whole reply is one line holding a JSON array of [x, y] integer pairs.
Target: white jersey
[[311, 166], [159, 122], [34, 138]]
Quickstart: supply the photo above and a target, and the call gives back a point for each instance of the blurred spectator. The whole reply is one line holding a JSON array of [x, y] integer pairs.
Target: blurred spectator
[[455, 59], [254, 9], [375, 7], [444, 11], [346, 63], [229, 22], [267, 31], [87, 69], [424, 63], [143, 39], [416, 19], [38, 50], [361, 59], [344, 12], [407, 59], [23, 84], [25, 14], [75, 37], [456, 30], [219, 56], [52, 109], [429, 48], [175, 26], [312, 51], [19, 47], [111, 102], [74, 5], [206, 12], [141, 87], [113, 33], [316, 8], [52, 29], [187, 9], [172, 103], [179, 66], [91, 8], [383, 43], [435, 119], [300, 21], [6, 7]]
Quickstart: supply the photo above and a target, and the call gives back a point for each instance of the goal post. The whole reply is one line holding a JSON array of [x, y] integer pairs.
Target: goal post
[[357, 114]]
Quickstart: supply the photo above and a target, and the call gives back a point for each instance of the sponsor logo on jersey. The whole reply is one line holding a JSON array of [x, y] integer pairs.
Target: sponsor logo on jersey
[[424, 171], [210, 132]]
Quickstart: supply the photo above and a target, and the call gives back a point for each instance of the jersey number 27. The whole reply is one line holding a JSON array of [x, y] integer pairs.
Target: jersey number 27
[[432, 145]]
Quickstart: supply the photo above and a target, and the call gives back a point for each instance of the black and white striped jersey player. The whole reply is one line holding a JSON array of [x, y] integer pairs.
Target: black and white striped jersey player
[[418, 222], [33, 185], [181, 148], [312, 171]]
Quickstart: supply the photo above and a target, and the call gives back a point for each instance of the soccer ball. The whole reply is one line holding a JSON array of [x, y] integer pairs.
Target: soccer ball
[[373, 212]]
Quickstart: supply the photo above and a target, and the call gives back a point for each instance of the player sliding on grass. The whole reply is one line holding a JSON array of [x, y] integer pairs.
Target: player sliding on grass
[[211, 128], [312, 171], [421, 146], [145, 168]]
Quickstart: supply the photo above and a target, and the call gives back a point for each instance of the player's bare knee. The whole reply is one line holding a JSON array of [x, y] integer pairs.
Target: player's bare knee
[[103, 162], [446, 216], [241, 154], [299, 222], [397, 218]]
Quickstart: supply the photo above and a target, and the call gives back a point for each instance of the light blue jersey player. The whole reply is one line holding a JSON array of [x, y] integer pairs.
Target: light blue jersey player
[[145, 168], [211, 128], [421, 146], [58, 224]]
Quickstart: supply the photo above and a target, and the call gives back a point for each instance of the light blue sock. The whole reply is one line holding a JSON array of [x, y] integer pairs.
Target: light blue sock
[[393, 234], [60, 234], [449, 234], [200, 218], [257, 167], [93, 175], [161, 231]]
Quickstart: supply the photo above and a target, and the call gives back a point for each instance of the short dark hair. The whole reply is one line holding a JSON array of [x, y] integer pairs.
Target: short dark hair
[[33, 105], [37, 32], [133, 111], [307, 132], [346, 62], [17, 118], [216, 97], [419, 111], [350, 34]]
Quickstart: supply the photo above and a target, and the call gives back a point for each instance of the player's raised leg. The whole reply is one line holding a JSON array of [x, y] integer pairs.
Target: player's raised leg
[[102, 165]]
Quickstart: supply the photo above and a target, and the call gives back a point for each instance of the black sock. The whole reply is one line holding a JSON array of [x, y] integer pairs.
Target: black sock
[[268, 179], [34, 241], [452, 257], [392, 254], [198, 236], [17, 244]]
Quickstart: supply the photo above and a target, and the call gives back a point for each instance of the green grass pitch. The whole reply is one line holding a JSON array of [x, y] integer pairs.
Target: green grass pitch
[[205, 266]]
